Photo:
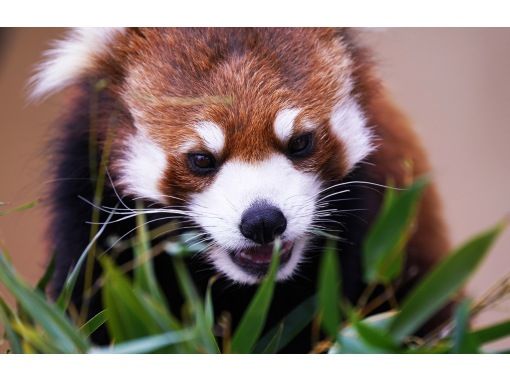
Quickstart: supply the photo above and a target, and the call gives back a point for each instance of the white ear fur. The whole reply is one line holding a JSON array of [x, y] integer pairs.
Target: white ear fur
[[69, 58], [349, 125]]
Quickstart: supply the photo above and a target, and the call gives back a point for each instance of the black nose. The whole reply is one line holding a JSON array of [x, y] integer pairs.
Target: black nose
[[262, 222]]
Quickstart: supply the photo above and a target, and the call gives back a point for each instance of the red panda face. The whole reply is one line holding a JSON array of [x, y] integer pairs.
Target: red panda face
[[244, 127]]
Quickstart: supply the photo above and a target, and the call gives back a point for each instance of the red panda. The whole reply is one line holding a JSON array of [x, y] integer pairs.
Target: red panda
[[245, 134]]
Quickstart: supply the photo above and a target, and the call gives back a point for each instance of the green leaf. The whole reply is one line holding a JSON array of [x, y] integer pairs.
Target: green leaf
[[492, 333], [148, 344], [209, 307], [22, 207], [373, 340], [274, 343], [385, 242], [205, 335], [144, 277], [254, 317], [440, 284], [47, 276], [293, 323], [53, 321], [94, 323], [375, 337], [329, 291], [67, 290], [463, 343], [37, 339], [7, 319], [127, 316]]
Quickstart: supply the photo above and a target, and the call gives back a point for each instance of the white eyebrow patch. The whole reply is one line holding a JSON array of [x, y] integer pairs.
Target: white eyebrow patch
[[284, 123], [212, 136], [350, 126]]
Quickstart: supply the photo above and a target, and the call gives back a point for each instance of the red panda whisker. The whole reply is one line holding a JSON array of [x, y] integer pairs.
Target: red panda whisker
[[132, 230], [115, 190], [360, 183]]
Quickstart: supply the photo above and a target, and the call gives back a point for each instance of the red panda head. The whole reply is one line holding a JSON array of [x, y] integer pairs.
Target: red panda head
[[246, 126]]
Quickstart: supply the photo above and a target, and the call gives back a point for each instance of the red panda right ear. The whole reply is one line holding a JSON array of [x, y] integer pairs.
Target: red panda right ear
[[70, 58]]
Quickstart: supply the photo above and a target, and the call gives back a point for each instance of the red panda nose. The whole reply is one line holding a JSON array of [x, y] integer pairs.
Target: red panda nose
[[262, 223]]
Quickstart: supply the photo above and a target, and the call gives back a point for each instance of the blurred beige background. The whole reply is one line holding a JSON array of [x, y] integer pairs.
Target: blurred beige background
[[454, 84]]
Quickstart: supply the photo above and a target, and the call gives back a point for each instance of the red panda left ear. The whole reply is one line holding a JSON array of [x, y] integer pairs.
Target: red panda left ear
[[349, 125], [71, 58]]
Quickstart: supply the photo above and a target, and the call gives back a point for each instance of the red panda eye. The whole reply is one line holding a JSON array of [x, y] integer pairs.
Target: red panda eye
[[300, 146], [201, 163]]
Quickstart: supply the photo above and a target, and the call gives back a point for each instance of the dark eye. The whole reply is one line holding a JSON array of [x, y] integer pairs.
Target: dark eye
[[300, 146], [201, 163]]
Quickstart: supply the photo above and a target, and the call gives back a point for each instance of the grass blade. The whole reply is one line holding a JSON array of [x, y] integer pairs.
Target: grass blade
[[440, 284], [209, 307], [127, 316], [93, 323], [50, 318], [492, 333], [149, 344], [254, 317], [329, 291], [144, 277], [6, 317], [47, 276], [292, 324], [384, 245], [463, 343], [205, 335], [67, 290]]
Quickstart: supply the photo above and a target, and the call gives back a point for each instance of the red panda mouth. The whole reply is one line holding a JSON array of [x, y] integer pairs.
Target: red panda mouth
[[256, 260]]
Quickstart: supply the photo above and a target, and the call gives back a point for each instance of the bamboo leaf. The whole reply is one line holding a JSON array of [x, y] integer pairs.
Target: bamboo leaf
[[67, 290], [384, 245], [349, 340], [463, 343], [127, 317], [148, 344], [329, 291], [254, 317], [47, 276], [205, 336], [209, 307], [144, 277], [49, 317], [440, 284], [7, 318], [492, 333], [292, 324], [93, 323]]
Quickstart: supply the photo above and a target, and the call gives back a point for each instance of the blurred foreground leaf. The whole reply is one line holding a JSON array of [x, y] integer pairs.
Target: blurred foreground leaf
[[329, 290], [383, 248], [254, 317], [441, 283]]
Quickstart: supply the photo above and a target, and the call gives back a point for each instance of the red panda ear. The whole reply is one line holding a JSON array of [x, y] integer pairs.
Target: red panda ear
[[70, 58], [349, 125]]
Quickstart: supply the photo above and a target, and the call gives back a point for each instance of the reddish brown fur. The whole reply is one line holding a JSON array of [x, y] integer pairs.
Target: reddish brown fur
[[176, 77]]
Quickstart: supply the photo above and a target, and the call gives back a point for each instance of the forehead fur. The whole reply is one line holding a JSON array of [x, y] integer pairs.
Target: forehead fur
[[238, 79]]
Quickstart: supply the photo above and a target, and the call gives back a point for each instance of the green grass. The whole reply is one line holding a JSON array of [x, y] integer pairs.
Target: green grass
[[139, 321]]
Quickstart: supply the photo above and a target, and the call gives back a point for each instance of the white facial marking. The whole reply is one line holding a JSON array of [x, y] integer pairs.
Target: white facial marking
[[284, 123], [349, 125], [212, 136], [142, 167], [69, 58], [219, 208]]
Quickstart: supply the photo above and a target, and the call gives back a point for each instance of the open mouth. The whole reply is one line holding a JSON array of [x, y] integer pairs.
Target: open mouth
[[256, 260]]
